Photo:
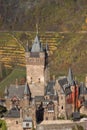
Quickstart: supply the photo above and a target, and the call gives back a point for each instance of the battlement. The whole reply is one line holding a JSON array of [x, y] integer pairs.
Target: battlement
[[35, 61]]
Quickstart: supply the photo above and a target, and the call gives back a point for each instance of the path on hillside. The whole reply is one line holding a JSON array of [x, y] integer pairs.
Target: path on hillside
[[18, 41]]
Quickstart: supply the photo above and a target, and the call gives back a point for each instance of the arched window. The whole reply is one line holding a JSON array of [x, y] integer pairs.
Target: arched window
[[62, 107]]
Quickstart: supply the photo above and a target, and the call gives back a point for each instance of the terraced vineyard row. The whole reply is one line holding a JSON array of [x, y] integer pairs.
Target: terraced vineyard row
[[66, 49], [52, 39], [11, 53]]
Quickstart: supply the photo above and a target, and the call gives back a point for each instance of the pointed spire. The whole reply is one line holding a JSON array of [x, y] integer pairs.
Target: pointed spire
[[70, 77], [26, 89], [37, 46], [27, 47]]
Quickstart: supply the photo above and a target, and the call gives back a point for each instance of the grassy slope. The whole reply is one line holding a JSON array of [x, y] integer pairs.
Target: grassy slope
[[11, 78]]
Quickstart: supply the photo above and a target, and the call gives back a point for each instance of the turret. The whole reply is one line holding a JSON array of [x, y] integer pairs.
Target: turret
[[27, 95], [6, 92], [26, 92], [36, 67]]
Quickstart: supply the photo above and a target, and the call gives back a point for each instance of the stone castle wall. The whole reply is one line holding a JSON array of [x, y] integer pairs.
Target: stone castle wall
[[62, 126]]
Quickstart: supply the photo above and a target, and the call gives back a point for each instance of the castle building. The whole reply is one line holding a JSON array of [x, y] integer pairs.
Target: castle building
[[40, 98]]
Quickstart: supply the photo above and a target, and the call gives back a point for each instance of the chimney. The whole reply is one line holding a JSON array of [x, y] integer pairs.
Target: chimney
[[16, 83]]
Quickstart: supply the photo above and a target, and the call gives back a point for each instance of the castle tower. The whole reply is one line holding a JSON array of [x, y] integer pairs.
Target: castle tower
[[70, 79], [36, 66]]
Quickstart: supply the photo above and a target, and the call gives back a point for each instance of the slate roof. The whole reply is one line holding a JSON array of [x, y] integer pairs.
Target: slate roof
[[26, 89], [13, 113], [65, 87], [18, 91], [62, 82], [49, 88], [82, 89], [39, 98], [27, 119], [37, 46]]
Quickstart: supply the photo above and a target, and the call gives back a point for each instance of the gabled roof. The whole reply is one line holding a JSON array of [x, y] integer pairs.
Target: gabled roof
[[13, 113], [37, 47], [62, 82], [18, 91], [65, 87]]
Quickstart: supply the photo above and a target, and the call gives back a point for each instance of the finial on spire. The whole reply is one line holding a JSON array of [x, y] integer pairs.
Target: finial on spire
[[37, 29]]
